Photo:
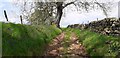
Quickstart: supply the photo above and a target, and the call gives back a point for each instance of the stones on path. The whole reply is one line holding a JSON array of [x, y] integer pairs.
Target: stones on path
[[53, 52], [58, 48], [61, 48]]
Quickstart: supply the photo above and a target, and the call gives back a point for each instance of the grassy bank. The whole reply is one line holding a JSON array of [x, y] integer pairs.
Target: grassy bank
[[98, 44], [24, 40]]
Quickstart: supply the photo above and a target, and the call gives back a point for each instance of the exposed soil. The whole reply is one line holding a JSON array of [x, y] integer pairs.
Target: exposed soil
[[66, 48]]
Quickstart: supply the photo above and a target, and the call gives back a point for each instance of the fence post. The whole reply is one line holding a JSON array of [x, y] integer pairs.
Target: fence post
[[21, 19], [5, 15]]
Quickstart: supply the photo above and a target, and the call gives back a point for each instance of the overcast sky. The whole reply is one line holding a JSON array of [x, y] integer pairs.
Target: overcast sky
[[71, 17]]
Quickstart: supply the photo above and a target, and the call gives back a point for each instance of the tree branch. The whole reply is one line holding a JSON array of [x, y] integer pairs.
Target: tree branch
[[103, 8], [68, 4]]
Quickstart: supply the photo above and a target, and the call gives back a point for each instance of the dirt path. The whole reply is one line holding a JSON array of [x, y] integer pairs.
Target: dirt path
[[63, 46]]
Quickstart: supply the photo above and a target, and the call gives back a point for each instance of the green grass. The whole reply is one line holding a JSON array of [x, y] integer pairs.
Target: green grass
[[25, 40], [96, 43], [0, 39]]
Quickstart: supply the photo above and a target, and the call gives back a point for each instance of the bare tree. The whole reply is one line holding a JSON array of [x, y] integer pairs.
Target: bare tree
[[82, 4], [49, 9]]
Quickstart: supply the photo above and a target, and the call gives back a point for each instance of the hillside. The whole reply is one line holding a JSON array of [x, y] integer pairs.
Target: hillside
[[25, 40]]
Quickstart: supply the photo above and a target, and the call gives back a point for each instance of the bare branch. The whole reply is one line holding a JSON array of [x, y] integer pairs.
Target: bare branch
[[103, 8], [68, 4]]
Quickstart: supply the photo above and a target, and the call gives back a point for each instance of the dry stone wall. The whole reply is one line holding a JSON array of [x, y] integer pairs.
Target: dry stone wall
[[107, 26]]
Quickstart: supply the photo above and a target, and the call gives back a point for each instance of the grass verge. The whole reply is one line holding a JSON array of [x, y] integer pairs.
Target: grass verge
[[98, 44], [25, 40]]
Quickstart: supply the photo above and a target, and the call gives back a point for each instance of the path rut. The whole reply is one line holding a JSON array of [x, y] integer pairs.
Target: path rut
[[62, 47]]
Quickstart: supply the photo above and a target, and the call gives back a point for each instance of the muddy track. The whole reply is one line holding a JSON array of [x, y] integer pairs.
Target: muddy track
[[62, 48]]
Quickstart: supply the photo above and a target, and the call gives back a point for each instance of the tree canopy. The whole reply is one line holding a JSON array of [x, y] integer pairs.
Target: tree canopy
[[49, 11]]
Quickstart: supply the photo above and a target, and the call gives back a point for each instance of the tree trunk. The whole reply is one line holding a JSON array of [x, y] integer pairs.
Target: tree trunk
[[59, 13], [60, 8], [59, 18]]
